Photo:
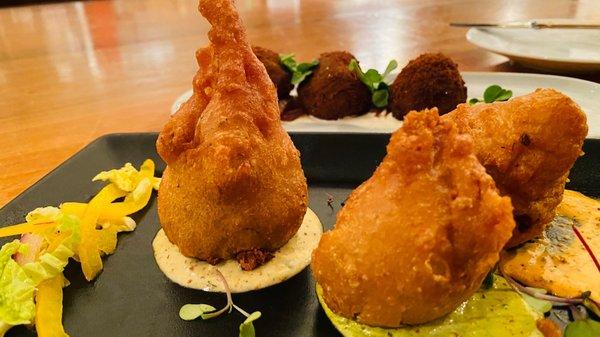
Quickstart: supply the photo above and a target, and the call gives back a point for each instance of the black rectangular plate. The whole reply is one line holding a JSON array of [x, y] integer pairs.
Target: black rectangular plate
[[133, 298]]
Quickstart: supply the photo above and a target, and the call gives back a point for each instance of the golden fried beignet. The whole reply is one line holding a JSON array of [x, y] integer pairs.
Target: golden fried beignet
[[418, 237], [528, 145], [233, 181]]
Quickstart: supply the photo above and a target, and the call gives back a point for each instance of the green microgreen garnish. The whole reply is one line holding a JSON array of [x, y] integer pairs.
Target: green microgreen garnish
[[493, 93], [375, 81], [247, 328], [583, 328], [190, 312], [539, 305], [299, 71]]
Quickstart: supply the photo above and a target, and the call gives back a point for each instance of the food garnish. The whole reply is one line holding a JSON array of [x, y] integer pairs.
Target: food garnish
[[586, 246], [299, 71], [493, 93], [375, 81], [32, 267], [190, 312], [583, 328]]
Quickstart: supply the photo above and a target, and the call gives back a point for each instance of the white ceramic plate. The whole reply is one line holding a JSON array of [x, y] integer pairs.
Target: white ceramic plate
[[585, 93], [559, 50]]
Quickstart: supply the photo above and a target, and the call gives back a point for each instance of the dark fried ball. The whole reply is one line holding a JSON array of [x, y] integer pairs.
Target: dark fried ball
[[279, 75], [430, 80], [333, 91]]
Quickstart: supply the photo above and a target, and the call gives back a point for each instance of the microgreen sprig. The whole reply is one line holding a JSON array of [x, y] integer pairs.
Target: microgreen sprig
[[493, 93], [375, 81], [190, 312], [299, 71]]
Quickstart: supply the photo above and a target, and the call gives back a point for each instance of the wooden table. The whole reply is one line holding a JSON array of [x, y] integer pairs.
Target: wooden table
[[70, 72]]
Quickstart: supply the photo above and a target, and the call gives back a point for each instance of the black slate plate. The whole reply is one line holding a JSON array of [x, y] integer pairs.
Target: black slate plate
[[133, 298]]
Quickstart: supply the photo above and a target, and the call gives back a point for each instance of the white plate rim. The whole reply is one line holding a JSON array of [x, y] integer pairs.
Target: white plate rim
[[471, 37], [590, 88]]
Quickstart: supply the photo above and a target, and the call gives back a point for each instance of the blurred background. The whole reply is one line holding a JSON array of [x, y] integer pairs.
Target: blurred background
[[71, 71]]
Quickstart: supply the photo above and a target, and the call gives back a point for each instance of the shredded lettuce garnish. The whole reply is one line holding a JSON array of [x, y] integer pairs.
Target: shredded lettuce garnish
[[190, 312], [61, 236], [16, 290]]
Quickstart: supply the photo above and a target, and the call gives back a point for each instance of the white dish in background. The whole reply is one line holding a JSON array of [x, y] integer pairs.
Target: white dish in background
[[585, 93], [562, 50]]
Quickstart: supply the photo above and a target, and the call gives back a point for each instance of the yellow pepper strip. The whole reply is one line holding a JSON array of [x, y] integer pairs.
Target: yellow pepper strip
[[56, 240], [48, 308], [89, 255], [107, 239], [25, 228], [78, 208], [132, 204], [137, 199]]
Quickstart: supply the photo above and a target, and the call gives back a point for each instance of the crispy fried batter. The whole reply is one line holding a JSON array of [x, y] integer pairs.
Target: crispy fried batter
[[528, 145], [233, 181], [418, 237]]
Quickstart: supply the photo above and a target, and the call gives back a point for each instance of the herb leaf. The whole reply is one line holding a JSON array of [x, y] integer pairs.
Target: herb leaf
[[374, 81], [473, 101], [541, 306], [190, 312], [583, 328], [490, 94], [493, 93], [299, 71], [247, 328], [380, 98], [391, 66]]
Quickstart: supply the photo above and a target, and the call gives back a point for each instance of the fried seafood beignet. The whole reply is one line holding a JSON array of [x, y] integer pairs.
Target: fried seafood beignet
[[528, 145], [418, 238], [233, 182]]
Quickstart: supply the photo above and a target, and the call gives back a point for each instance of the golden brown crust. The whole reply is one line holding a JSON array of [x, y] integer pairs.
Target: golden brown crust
[[528, 145], [416, 239], [233, 180]]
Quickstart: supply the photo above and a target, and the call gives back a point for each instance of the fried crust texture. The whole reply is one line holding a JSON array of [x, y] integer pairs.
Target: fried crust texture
[[418, 238], [528, 145], [233, 181]]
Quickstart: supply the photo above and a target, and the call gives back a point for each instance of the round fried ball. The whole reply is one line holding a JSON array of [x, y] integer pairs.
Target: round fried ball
[[279, 75], [333, 91], [430, 80]]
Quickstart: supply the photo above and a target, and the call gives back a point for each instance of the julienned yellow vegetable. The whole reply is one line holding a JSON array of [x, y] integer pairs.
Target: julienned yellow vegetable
[[89, 253], [48, 308], [83, 231]]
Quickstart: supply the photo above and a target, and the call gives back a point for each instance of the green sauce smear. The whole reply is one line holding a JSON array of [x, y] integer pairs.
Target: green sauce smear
[[499, 312]]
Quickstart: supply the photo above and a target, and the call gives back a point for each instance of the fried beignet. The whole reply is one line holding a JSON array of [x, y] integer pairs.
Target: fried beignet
[[233, 181], [528, 145], [418, 238]]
